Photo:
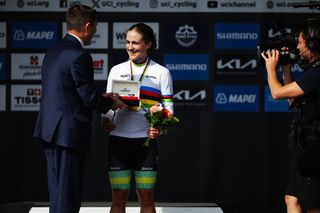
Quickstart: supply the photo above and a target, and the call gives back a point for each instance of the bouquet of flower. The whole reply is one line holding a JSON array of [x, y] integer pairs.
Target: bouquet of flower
[[160, 117]]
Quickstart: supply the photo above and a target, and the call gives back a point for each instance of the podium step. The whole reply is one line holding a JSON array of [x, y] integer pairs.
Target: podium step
[[137, 210]]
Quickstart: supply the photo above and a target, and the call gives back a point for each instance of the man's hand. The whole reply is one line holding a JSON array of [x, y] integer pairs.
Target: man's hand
[[153, 132], [272, 59], [117, 103], [107, 125]]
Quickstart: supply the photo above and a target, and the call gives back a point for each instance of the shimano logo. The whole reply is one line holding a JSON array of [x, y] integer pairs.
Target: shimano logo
[[186, 36], [238, 36], [187, 67], [236, 64]]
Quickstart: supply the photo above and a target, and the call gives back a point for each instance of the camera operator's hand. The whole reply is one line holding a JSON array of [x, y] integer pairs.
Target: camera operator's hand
[[272, 59]]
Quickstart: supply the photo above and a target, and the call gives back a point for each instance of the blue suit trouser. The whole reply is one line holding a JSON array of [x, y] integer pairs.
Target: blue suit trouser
[[65, 173]]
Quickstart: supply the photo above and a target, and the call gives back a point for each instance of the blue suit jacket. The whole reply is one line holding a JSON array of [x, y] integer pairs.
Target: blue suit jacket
[[68, 96]]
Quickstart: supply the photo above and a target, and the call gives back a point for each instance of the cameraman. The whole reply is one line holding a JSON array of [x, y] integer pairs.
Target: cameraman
[[304, 99]]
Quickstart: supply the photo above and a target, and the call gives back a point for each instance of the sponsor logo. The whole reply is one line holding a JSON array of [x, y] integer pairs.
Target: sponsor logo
[[271, 105], [228, 65], [236, 98], [2, 66], [190, 96], [2, 98], [25, 97], [34, 34], [237, 36], [115, 4], [186, 35], [272, 33], [100, 66], [67, 3], [26, 66], [32, 3], [188, 66]]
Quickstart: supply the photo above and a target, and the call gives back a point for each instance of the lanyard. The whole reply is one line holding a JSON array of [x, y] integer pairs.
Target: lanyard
[[143, 72]]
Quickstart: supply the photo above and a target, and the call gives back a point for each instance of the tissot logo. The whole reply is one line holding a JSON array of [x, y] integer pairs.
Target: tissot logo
[[236, 98], [25, 97], [186, 35]]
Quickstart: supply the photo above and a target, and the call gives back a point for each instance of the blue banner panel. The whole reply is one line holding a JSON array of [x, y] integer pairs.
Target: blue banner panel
[[230, 98], [236, 35], [271, 105], [187, 66], [33, 34]]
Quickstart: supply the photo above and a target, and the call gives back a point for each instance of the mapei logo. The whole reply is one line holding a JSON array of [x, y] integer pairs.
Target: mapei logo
[[34, 34], [236, 98], [186, 35], [236, 35]]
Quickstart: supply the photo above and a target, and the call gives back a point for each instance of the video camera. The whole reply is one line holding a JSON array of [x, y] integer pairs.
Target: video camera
[[279, 37]]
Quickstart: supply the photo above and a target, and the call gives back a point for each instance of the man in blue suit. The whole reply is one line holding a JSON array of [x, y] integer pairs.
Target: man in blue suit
[[67, 101]]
